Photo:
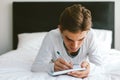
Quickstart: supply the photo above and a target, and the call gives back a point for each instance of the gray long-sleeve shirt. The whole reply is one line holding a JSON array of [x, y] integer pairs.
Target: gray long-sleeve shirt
[[53, 42]]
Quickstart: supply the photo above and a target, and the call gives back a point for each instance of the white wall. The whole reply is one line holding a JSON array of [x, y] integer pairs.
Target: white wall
[[6, 23], [5, 26], [117, 25]]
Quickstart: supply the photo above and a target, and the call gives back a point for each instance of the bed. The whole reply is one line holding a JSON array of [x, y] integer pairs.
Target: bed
[[32, 21]]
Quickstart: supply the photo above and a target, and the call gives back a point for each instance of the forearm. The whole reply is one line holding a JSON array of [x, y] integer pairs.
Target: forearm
[[40, 67]]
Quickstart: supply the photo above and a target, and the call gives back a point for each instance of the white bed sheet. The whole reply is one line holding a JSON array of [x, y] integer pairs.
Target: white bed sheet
[[16, 65]]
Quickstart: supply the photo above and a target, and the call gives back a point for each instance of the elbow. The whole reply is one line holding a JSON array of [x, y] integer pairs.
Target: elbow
[[33, 69], [38, 68]]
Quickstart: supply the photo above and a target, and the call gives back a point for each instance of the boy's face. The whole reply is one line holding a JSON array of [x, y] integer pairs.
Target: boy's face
[[73, 41]]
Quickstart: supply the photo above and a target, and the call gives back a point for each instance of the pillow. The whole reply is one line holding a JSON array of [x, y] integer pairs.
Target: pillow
[[30, 41], [104, 39], [33, 41]]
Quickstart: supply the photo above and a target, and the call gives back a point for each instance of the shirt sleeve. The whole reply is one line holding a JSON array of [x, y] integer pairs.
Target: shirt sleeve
[[94, 56], [43, 60]]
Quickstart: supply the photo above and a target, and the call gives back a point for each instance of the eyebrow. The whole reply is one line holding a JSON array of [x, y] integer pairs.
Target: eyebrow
[[82, 38], [73, 40]]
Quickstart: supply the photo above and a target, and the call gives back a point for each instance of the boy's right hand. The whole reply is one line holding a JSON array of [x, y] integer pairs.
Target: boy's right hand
[[61, 64]]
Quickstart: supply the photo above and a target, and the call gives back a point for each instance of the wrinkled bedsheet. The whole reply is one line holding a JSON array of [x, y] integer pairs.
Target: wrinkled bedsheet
[[16, 65]]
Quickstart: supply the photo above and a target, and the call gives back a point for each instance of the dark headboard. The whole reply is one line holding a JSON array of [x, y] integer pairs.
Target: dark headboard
[[44, 16]]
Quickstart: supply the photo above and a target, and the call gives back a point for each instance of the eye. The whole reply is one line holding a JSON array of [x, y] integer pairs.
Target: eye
[[82, 39], [68, 39]]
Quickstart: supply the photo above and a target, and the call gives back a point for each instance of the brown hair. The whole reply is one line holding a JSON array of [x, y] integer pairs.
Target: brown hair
[[75, 18]]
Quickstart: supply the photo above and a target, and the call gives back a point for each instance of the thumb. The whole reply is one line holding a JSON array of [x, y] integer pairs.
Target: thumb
[[84, 64]]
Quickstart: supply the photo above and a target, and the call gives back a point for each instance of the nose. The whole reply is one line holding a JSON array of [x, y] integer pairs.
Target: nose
[[75, 44]]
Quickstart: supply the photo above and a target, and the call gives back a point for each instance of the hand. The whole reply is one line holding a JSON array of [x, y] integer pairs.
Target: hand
[[81, 74], [61, 64]]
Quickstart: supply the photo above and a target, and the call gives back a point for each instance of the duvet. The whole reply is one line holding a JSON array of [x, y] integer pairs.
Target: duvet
[[16, 65]]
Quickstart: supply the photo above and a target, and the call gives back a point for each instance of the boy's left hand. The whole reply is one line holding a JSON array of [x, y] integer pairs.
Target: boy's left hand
[[81, 74]]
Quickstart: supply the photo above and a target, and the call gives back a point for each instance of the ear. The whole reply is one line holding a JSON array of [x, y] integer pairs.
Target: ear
[[60, 28]]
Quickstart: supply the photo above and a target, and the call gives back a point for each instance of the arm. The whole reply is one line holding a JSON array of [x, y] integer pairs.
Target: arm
[[94, 65], [95, 60], [43, 59], [94, 55]]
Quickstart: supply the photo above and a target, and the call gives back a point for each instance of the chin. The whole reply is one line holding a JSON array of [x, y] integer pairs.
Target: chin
[[74, 50]]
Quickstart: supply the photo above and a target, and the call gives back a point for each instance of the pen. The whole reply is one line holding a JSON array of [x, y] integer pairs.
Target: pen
[[59, 54], [64, 58]]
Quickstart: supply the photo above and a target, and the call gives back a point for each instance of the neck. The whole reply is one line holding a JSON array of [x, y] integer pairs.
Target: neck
[[72, 54]]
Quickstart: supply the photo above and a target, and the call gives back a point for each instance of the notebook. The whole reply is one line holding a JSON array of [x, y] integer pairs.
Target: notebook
[[75, 68]]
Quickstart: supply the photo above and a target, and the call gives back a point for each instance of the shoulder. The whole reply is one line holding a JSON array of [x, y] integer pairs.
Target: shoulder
[[91, 34], [54, 32], [90, 39], [53, 35]]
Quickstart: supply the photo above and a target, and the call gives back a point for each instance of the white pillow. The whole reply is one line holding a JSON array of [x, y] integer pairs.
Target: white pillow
[[33, 41], [104, 39], [30, 41]]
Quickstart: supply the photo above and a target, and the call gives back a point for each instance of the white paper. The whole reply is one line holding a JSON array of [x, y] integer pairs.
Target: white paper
[[75, 68]]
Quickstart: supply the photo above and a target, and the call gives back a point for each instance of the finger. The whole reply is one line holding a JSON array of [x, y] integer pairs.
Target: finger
[[71, 63], [84, 64], [60, 64], [77, 74], [57, 68], [68, 65]]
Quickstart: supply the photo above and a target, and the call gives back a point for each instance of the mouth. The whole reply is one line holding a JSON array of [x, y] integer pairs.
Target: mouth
[[74, 49]]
